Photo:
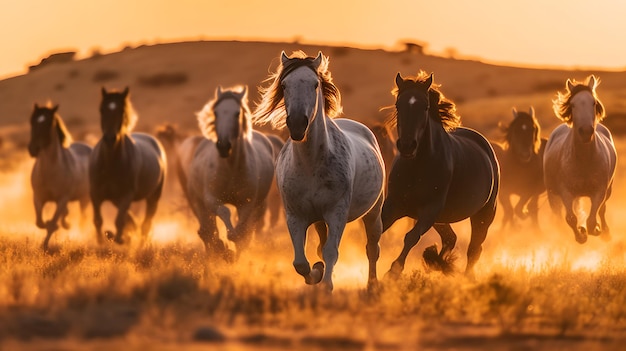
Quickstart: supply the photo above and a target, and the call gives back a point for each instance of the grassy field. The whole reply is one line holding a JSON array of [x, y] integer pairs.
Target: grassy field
[[533, 290]]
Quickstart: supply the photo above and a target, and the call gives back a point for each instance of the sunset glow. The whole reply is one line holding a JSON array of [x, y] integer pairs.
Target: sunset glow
[[535, 32]]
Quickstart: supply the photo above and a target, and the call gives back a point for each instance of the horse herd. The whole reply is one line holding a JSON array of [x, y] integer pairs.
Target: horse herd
[[331, 170]]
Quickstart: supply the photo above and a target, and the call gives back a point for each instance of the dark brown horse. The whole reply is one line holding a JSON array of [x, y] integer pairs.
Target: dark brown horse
[[60, 171], [124, 167], [445, 174], [521, 167]]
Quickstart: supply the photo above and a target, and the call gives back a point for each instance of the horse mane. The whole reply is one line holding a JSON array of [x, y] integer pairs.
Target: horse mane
[[271, 108], [206, 116], [65, 138], [130, 116], [562, 104], [536, 138], [445, 112]]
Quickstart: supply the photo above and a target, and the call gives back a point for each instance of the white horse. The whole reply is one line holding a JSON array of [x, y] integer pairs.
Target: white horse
[[580, 157], [330, 171], [232, 164]]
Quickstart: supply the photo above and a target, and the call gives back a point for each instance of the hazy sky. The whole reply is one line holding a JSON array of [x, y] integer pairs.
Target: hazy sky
[[572, 33]]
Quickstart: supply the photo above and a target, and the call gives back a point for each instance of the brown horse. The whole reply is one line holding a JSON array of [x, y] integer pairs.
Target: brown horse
[[124, 166], [60, 172]]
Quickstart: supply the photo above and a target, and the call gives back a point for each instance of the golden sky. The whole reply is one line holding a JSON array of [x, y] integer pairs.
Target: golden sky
[[570, 33]]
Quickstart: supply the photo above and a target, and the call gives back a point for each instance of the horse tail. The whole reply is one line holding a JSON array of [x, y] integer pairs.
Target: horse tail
[[437, 262]]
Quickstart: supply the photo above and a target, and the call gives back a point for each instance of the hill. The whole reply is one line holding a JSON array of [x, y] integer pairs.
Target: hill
[[170, 82]]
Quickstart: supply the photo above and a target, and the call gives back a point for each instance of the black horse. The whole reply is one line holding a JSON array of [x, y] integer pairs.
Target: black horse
[[521, 167], [445, 173], [124, 167]]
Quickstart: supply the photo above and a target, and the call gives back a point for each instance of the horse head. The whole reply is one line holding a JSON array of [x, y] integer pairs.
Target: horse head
[[523, 135], [301, 88], [412, 110], [114, 117], [229, 114], [43, 122], [583, 104]]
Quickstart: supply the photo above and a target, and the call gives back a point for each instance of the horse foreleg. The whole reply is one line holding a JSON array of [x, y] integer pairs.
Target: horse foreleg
[[426, 219], [123, 206], [248, 217], [322, 232], [84, 202], [533, 211], [297, 231], [96, 203], [38, 202], [507, 209], [53, 224], [570, 217], [444, 261], [597, 202], [152, 204], [223, 212], [336, 221], [373, 229], [520, 208]]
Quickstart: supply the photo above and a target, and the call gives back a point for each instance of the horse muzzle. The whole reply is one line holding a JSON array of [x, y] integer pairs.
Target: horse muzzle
[[297, 127], [223, 148], [407, 149], [33, 149]]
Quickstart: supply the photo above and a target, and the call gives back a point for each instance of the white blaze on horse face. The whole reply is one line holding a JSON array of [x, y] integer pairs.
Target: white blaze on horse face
[[524, 127], [112, 105], [583, 109], [412, 100], [41, 119]]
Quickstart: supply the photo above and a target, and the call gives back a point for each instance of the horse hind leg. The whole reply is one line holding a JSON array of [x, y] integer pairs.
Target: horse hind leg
[[152, 204], [444, 260], [373, 229], [480, 222]]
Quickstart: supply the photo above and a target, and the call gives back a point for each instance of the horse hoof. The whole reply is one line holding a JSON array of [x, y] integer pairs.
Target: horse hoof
[[581, 237], [109, 235], [394, 272], [316, 274]]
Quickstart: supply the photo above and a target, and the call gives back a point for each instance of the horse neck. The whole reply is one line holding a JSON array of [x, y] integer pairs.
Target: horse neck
[[433, 139], [53, 153], [583, 151], [119, 150], [238, 153]]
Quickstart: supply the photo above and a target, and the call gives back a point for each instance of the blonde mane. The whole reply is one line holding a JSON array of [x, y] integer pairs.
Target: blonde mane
[[130, 116], [271, 109], [206, 116]]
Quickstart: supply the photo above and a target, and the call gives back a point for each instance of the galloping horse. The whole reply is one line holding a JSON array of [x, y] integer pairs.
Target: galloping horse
[[521, 167], [580, 157], [330, 171], [60, 173], [445, 174], [124, 167], [232, 164]]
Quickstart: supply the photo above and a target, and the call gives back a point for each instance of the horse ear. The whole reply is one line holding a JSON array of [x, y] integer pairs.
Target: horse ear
[[429, 81], [36, 106], [243, 92], [569, 85], [592, 82], [283, 57], [531, 111], [125, 92], [514, 110], [399, 80], [318, 60], [55, 108], [219, 91], [104, 91]]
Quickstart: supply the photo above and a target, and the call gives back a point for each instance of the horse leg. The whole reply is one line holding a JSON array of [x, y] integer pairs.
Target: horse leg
[[507, 209], [53, 224], [426, 219], [444, 261], [480, 225], [123, 206], [38, 202], [597, 201], [83, 202], [96, 203], [223, 212], [570, 217], [322, 232], [242, 235], [520, 209], [373, 229], [533, 211], [297, 231], [390, 213], [336, 221], [152, 204]]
